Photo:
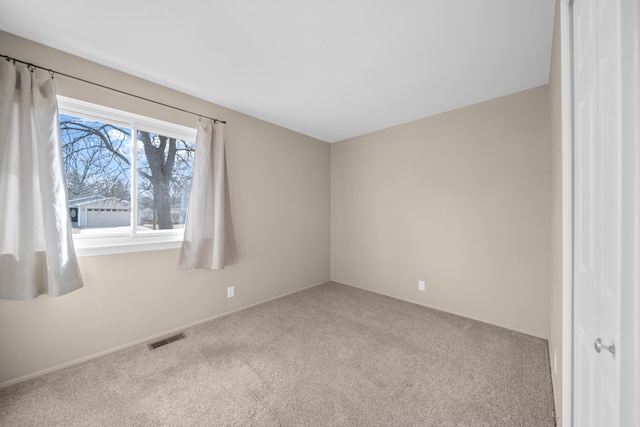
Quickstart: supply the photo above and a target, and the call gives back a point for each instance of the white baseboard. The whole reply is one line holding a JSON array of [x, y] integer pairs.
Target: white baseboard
[[146, 339], [479, 319]]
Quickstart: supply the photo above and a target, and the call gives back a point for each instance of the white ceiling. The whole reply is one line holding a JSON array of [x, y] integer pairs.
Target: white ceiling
[[331, 69]]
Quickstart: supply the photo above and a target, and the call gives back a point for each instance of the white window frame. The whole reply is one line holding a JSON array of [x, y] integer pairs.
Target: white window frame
[[134, 241]]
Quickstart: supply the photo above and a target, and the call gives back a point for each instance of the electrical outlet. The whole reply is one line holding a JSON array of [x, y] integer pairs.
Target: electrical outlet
[[421, 285], [231, 291]]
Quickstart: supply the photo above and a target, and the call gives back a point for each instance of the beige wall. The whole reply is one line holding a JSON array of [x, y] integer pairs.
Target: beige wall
[[555, 198], [459, 200], [279, 182]]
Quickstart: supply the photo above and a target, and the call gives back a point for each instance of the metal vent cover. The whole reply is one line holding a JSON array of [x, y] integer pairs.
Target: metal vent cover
[[167, 340]]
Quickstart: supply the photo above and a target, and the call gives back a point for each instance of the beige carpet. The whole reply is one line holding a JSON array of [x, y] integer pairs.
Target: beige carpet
[[331, 355]]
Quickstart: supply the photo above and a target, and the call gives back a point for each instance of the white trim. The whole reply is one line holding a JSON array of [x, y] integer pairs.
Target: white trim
[[567, 215], [134, 181], [97, 112], [148, 338], [629, 264], [111, 245]]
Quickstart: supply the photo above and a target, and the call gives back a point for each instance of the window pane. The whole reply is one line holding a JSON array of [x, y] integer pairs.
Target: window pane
[[96, 162], [165, 166]]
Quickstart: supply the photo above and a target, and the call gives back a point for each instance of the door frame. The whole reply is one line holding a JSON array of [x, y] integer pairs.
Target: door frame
[[566, 78], [629, 306]]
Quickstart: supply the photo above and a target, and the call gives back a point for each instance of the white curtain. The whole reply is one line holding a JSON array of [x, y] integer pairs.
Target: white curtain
[[36, 247], [209, 241]]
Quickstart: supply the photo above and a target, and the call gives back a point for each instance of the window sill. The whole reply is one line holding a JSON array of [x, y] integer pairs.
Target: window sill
[[96, 246]]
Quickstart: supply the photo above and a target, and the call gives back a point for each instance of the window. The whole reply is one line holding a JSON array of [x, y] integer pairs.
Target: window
[[128, 178]]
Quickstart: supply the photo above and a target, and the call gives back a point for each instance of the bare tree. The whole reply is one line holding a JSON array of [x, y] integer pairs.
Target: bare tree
[[89, 169], [162, 160], [97, 162]]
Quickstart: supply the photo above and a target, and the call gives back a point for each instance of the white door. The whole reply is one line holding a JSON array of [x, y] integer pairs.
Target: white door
[[603, 229]]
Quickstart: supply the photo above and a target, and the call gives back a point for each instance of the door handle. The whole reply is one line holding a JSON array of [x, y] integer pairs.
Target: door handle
[[599, 347]]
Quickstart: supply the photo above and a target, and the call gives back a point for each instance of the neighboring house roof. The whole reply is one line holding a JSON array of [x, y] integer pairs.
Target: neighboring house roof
[[87, 200]]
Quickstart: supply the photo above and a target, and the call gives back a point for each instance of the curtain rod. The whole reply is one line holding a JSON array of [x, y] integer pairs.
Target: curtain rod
[[52, 72]]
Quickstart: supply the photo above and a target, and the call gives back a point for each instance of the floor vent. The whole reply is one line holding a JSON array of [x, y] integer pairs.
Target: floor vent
[[167, 340]]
